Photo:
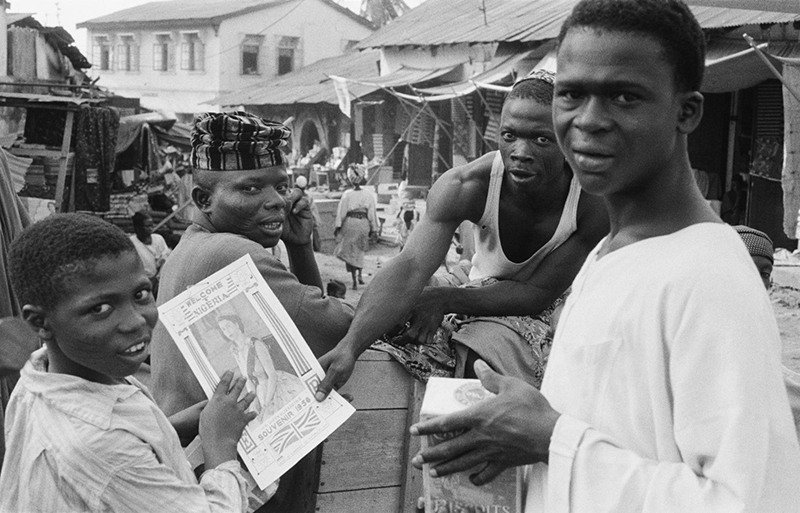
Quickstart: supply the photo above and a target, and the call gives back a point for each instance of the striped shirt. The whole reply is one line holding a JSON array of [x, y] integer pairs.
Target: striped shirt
[[75, 445]]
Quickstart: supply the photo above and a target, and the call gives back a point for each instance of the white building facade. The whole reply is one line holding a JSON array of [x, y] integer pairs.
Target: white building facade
[[177, 55]]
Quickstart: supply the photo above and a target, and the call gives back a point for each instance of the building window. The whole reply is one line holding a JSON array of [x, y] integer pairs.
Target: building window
[[287, 54], [128, 54], [102, 52], [250, 50], [191, 52], [162, 53]]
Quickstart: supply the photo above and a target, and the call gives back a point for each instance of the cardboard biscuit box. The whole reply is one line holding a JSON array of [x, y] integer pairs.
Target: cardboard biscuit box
[[455, 493]]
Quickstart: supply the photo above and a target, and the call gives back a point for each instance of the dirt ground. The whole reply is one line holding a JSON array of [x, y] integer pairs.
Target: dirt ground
[[785, 300], [786, 304]]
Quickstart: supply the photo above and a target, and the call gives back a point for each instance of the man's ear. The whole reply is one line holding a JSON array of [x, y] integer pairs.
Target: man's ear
[[36, 317], [202, 198], [691, 112]]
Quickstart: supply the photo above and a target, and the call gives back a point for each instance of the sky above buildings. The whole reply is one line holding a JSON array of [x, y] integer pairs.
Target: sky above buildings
[[67, 13]]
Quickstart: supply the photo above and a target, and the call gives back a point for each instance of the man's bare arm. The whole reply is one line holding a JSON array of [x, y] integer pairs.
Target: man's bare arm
[[393, 292], [553, 276]]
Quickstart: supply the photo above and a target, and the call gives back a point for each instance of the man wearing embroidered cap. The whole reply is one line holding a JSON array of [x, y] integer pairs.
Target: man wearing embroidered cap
[[760, 247], [533, 227], [246, 205]]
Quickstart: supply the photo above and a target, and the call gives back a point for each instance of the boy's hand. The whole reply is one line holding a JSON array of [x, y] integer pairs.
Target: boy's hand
[[299, 223], [223, 420]]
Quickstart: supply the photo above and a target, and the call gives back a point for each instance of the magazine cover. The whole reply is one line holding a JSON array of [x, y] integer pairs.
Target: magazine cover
[[233, 321]]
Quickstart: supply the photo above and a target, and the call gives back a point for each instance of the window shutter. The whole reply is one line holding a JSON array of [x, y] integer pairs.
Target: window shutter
[[135, 58], [185, 56], [157, 64], [120, 58], [200, 55]]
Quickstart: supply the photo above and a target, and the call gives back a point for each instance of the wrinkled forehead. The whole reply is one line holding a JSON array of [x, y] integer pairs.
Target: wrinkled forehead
[[272, 175]]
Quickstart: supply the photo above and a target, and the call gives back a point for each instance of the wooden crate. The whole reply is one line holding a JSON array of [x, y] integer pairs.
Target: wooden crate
[[364, 465]]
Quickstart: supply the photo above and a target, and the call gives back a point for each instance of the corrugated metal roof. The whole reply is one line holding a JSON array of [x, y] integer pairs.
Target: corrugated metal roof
[[180, 10], [197, 11], [442, 22], [310, 84], [791, 6]]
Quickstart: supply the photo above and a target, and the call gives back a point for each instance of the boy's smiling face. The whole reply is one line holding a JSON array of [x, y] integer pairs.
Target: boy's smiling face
[[617, 111], [100, 329]]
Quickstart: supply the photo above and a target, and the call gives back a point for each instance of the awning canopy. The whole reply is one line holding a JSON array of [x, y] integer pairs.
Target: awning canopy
[[732, 66], [404, 76], [497, 71]]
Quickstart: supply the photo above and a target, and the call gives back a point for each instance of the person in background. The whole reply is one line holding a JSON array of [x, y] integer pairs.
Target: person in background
[[761, 250], [664, 389], [356, 221], [151, 247], [405, 222], [83, 434]]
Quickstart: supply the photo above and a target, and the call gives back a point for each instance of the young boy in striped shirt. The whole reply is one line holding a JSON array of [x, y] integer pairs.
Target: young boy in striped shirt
[[82, 434]]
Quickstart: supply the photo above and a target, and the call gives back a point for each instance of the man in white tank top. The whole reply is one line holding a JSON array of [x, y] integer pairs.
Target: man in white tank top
[[536, 229]]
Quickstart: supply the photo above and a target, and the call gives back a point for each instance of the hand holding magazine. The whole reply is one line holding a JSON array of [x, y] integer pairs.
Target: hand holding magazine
[[233, 321]]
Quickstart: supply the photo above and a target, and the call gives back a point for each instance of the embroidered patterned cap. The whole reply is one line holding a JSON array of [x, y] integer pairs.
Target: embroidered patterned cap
[[539, 74], [757, 243], [230, 141]]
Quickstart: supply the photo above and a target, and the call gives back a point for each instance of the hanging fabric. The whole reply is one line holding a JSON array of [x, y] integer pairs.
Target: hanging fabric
[[95, 151]]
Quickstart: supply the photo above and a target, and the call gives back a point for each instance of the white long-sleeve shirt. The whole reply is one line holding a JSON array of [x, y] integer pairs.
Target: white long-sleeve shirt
[[666, 369], [75, 445]]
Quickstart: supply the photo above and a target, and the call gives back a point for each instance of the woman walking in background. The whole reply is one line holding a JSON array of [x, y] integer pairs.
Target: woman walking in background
[[356, 222]]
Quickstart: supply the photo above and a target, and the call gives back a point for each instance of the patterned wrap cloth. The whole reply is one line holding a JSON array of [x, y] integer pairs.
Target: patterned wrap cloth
[[757, 243], [237, 141], [444, 357]]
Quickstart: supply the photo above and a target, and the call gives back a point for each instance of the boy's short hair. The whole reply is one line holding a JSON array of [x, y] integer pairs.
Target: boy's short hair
[[669, 22], [52, 250]]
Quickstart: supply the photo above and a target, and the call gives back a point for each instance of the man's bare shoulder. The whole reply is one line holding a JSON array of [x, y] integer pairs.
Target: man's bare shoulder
[[460, 193]]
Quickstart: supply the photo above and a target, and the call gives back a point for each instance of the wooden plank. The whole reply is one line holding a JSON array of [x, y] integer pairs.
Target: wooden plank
[[377, 500], [411, 487], [296, 490], [378, 383], [366, 452], [62, 171]]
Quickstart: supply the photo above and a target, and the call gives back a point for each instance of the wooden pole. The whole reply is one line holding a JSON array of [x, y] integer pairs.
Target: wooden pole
[[173, 214], [772, 68], [66, 141]]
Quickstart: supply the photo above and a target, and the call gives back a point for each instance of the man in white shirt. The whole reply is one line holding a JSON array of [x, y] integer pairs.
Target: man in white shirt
[[664, 389], [151, 247]]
